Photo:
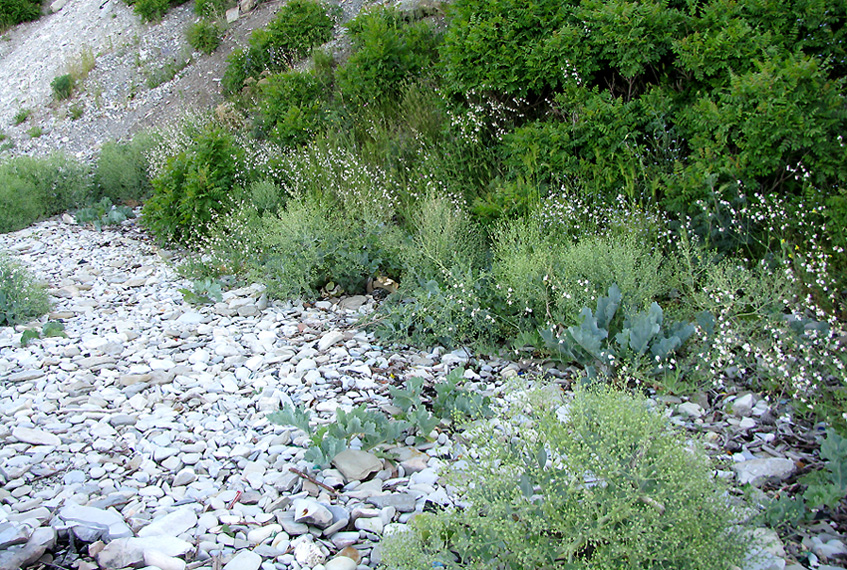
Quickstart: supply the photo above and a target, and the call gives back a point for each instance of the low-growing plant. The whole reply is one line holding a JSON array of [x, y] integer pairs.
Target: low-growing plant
[[827, 487], [596, 482], [567, 254], [204, 36], [103, 213], [48, 329], [22, 298], [35, 132], [307, 245], [425, 406], [80, 66], [166, 72], [203, 292], [76, 111], [766, 334], [21, 116], [641, 341], [369, 427], [63, 86]]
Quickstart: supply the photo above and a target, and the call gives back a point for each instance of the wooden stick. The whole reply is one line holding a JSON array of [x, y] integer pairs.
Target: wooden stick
[[311, 479]]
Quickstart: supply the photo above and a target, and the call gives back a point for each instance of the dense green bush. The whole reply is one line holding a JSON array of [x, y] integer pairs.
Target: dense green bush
[[196, 186], [204, 36], [33, 188], [121, 172], [293, 107], [21, 298], [13, 12], [299, 26], [596, 482], [387, 51], [657, 101]]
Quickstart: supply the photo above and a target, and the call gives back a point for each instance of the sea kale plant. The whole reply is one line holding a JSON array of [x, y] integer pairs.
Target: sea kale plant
[[602, 344]]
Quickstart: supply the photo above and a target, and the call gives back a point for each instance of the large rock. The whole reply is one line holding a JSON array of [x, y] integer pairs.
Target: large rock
[[34, 436], [90, 523], [173, 523], [357, 465], [763, 469], [18, 557], [130, 551]]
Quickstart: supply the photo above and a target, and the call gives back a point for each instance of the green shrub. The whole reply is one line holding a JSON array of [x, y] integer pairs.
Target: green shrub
[[13, 12], [103, 213], [501, 45], [153, 10], [567, 254], [597, 482], [37, 187], [308, 245], [204, 36], [387, 52], [299, 26], [63, 86], [21, 298], [121, 172], [195, 187], [293, 107]]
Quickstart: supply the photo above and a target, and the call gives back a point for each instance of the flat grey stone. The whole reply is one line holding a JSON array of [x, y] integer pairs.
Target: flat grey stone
[[244, 560], [357, 465], [173, 523], [763, 469], [35, 436]]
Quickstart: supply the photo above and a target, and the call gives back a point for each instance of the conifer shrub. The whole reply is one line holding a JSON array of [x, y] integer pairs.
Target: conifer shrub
[[63, 86], [657, 101], [387, 51], [204, 36], [599, 481], [293, 107], [299, 26], [14, 12], [153, 10]]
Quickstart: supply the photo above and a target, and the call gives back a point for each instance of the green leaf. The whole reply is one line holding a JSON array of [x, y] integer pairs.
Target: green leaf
[[53, 329], [290, 416], [29, 335], [525, 485]]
